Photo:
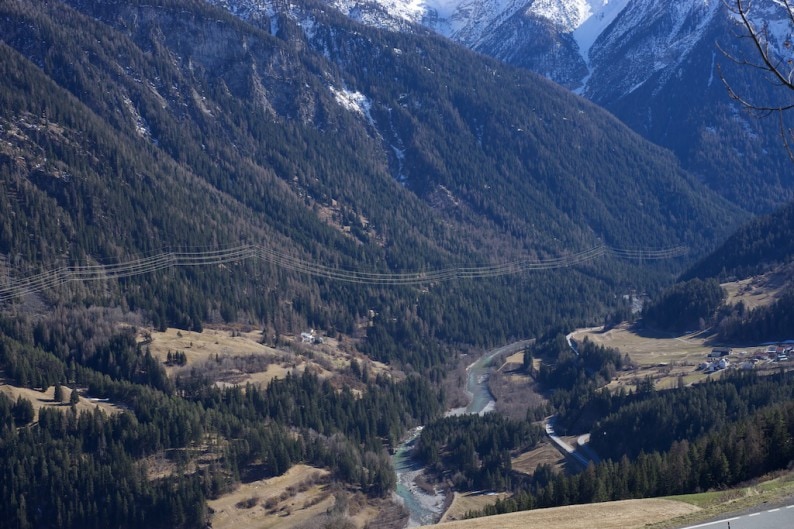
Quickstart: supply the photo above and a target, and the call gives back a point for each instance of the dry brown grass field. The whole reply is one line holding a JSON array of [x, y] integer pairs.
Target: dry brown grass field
[[649, 348], [760, 290], [233, 357], [668, 359], [41, 399], [671, 359], [662, 356], [545, 453], [302, 498], [515, 359], [652, 348], [205, 345], [282, 502], [627, 514], [465, 502], [655, 513]]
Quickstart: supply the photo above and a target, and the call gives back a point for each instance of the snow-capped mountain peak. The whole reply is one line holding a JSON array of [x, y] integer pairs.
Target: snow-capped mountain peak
[[466, 20], [472, 22]]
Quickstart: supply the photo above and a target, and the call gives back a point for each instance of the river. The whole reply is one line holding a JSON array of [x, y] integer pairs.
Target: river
[[424, 508]]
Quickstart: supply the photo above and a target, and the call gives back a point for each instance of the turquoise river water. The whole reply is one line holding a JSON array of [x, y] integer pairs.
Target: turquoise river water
[[424, 508]]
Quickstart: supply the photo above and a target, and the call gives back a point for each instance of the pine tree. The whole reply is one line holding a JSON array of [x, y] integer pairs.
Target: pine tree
[[23, 411]]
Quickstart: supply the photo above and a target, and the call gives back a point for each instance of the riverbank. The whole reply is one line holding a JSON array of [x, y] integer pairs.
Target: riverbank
[[424, 507]]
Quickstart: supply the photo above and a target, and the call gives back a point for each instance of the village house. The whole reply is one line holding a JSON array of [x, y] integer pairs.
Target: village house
[[719, 352], [311, 337]]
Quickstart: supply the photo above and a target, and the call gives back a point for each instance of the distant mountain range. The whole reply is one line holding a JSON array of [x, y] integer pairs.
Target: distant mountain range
[[655, 64]]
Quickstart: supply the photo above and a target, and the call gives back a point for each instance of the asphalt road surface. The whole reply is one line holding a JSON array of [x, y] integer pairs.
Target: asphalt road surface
[[776, 518]]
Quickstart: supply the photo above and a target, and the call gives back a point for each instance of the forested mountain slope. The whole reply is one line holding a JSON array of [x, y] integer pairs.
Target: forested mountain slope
[[759, 257], [762, 247], [656, 64], [130, 128], [761, 244]]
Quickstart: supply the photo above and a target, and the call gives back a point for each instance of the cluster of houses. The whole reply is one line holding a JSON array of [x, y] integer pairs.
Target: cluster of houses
[[779, 353], [718, 358]]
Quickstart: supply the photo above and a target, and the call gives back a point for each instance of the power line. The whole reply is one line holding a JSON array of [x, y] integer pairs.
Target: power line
[[84, 273]]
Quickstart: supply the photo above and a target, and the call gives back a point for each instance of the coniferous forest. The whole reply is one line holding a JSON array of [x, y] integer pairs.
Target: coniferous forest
[[762, 246], [73, 469], [709, 436]]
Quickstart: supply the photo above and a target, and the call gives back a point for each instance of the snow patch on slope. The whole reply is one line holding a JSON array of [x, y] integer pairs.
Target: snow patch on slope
[[141, 127], [600, 15], [354, 102], [406, 10]]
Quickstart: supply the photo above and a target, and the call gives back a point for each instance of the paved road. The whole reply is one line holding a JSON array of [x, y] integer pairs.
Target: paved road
[[564, 447], [777, 518]]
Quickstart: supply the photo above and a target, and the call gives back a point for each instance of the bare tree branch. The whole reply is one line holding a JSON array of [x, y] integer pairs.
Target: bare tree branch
[[786, 134], [761, 40], [775, 64]]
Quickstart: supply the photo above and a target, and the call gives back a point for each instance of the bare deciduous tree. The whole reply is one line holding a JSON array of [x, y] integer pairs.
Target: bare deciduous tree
[[774, 56]]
